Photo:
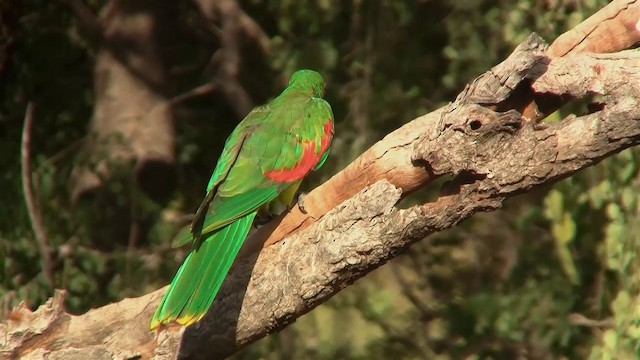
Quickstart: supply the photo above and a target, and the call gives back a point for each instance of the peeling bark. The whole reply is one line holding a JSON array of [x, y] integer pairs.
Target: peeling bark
[[389, 159], [493, 153], [613, 28]]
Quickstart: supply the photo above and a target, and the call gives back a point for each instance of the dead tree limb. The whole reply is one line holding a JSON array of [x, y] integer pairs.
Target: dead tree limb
[[234, 24], [34, 211], [491, 153]]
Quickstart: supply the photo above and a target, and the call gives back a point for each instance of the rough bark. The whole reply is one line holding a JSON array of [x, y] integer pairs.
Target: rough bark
[[492, 153], [611, 29]]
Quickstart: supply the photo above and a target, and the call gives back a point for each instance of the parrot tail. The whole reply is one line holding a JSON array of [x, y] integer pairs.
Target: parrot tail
[[198, 280]]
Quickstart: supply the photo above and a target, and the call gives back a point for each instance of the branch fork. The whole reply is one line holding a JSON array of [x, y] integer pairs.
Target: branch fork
[[489, 139]]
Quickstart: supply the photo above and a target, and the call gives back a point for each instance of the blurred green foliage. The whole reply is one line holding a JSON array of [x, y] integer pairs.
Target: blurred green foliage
[[553, 275]]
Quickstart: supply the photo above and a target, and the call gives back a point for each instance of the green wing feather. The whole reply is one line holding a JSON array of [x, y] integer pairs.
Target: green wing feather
[[322, 159]]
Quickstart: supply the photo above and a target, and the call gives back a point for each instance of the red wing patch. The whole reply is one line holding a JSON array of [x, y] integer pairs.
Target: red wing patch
[[328, 134], [309, 158]]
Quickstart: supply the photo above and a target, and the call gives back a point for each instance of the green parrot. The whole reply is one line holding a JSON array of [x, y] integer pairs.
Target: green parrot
[[262, 164]]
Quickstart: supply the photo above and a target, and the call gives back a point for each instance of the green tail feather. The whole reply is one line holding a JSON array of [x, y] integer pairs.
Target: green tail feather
[[198, 280]]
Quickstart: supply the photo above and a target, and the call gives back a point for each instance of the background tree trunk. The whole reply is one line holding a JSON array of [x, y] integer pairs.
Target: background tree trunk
[[131, 131]]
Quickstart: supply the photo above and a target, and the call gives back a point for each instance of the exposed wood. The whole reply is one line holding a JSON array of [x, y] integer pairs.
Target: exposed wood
[[615, 27], [491, 154]]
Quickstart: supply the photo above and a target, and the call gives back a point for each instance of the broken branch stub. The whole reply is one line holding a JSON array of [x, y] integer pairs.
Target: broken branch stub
[[506, 154], [496, 154], [493, 152]]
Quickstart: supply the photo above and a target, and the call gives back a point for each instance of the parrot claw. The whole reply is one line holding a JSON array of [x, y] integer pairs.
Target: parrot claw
[[300, 202], [262, 218], [537, 126]]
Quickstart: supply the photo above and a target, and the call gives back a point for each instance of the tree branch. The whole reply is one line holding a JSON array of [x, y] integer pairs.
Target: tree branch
[[233, 21], [87, 19], [613, 28], [35, 216], [389, 158], [492, 153]]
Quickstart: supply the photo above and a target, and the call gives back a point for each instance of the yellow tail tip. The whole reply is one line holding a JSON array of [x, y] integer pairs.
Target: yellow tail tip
[[157, 322], [186, 320]]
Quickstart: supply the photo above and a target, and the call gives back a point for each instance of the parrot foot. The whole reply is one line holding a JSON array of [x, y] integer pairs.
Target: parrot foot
[[262, 218], [300, 202], [537, 126]]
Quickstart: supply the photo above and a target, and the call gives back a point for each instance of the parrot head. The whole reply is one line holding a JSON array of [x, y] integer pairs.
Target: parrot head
[[308, 79]]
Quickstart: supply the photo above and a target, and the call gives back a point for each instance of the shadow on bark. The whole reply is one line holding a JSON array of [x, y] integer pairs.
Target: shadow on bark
[[198, 338]]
